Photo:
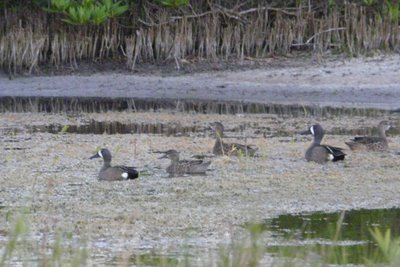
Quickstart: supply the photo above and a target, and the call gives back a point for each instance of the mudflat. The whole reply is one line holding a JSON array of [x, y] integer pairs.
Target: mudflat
[[50, 178], [360, 82]]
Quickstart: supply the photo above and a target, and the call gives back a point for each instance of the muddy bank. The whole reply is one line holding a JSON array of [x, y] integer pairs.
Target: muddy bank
[[50, 175], [364, 83]]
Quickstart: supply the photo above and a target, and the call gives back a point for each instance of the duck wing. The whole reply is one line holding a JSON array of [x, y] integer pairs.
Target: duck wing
[[194, 166], [366, 139], [336, 152], [131, 172], [191, 162]]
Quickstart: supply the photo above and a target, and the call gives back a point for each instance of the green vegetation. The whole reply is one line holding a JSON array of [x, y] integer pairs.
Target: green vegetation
[[174, 3], [20, 228], [393, 10], [87, 11], [62, 250], [389, 247]]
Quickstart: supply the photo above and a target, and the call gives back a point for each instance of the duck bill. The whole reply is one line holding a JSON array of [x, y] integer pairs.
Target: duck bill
[[163, 157], [158, 151], [95, 156]]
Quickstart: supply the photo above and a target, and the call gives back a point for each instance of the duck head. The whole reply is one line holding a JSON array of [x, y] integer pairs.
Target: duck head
[[103, 153], [218, 129], [171, 154]]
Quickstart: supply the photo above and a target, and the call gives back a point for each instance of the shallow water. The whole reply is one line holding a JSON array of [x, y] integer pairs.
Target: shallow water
[[48, 177], [349, 235]]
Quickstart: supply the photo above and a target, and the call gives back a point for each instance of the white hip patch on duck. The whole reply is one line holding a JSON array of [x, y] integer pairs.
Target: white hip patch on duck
[[124, 175], [312, 130], [331, 155]]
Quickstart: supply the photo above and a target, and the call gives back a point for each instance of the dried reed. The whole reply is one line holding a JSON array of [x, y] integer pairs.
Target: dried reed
[[30, 40]]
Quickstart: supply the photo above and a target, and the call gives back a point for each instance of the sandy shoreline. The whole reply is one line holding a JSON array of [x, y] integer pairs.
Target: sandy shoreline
[[363, 82]]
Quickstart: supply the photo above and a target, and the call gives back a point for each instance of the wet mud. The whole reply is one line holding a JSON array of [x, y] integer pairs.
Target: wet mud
[[364, 83], [46, 174]]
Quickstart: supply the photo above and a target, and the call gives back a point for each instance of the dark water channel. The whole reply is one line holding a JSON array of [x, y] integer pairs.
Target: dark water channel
[[168, 129], [350, 241]]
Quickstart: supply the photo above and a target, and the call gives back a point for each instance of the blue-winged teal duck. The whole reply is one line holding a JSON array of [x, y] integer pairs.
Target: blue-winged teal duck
[[230, 149], [372, 143], [321, 153], [181, 167], [113, 173]]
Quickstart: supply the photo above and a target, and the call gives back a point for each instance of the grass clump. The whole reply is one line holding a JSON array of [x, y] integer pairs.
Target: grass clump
[[389, 247], [62, 251], [20, 228]]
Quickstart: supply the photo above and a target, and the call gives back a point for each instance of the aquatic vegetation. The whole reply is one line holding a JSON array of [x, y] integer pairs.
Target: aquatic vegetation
[[20, 248], [389, 246], [9, 249]]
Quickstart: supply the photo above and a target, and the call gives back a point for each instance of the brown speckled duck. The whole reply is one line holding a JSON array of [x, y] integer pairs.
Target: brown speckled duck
[[372, 143], [229, 149], [182, 167]]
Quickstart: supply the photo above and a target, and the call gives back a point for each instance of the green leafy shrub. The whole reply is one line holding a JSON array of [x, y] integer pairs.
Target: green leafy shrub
[[369, 2], [87, 11], [61, 5], [393, 10]]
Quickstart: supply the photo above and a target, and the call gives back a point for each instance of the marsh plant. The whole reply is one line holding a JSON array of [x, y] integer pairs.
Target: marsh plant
[[19, 248], [388, 246], [19, 229]]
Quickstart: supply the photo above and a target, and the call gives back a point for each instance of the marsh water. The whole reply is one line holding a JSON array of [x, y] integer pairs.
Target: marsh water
[[49, 182], [347, 233]]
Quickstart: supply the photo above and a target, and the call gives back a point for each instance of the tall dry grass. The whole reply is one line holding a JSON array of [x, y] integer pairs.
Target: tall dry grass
[[30, 39]]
